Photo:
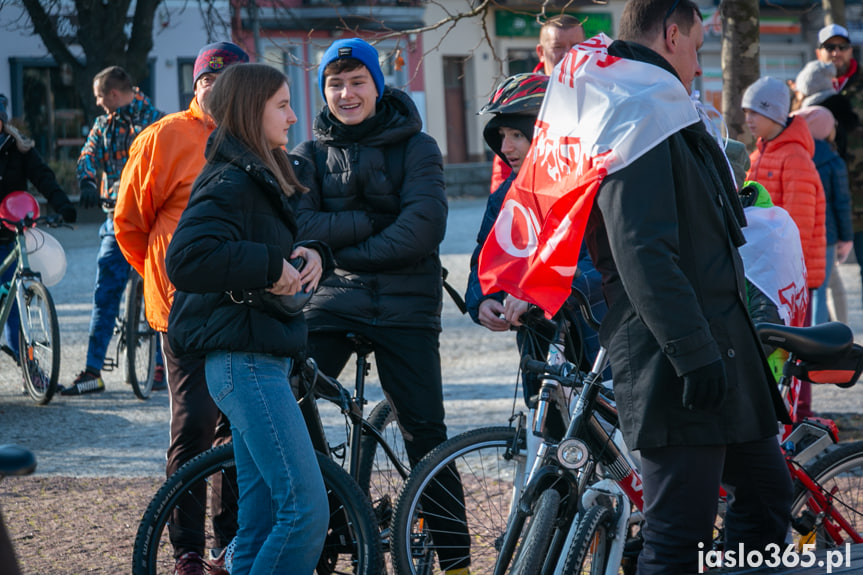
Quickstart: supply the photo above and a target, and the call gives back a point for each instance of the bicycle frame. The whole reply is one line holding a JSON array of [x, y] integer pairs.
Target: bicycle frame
[[18, 256]]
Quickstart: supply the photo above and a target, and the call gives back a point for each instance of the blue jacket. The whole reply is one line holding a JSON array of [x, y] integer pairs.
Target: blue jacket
[[834, 178]]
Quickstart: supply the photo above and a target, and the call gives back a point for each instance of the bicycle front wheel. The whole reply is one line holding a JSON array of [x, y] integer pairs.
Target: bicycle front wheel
[[536, 537], [140, 341], [588, 554], [39, 343], [488, 463], [352, 544], [839, 471]]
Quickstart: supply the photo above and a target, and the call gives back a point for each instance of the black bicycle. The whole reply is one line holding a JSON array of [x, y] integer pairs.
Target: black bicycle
[[362, 474]]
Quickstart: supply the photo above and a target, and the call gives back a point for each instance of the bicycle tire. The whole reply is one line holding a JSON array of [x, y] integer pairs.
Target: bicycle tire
[[839, 470], [140, 341], [40, 356], [489, 472], [536, 536], [352, 542], [588, 553], [377, 475]]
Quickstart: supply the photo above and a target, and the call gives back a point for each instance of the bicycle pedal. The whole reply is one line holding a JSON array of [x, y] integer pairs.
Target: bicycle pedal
[[338, 451], [110, 364]]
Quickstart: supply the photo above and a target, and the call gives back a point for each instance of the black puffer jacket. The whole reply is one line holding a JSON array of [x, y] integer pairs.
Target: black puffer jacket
[[17, 167], [233, 236], [384, 230]]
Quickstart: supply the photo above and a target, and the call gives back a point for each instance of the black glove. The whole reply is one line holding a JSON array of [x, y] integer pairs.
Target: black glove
[[89, 197], [704, 388], [69, 213], [381, 220]]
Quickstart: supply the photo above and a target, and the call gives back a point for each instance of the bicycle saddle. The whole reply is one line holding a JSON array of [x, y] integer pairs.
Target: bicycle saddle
[[16, 460], [817, 343]]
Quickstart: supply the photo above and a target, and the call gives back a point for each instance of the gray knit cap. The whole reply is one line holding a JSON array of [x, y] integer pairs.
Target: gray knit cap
[[770, 97], [815, 82]]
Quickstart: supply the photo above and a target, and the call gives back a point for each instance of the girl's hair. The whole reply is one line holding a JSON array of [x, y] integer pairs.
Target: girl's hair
[[236, 102], [24, 144]]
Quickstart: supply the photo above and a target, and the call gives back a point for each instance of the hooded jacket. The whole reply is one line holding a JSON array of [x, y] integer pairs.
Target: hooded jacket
[[834, 178], [384, 231], [157, 182], [784, 166], [664, 233]]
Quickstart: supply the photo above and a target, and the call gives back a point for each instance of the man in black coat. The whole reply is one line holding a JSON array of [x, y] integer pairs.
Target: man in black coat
[[691, 381], [376, 197]]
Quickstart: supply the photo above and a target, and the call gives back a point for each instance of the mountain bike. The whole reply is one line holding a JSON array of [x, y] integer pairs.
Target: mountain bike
[[362, 474], [598, 475], [39, 334], [493, 462], [137, 342]]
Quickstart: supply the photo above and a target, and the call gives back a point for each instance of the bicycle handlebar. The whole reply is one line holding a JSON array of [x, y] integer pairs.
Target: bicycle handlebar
[[52, 221]]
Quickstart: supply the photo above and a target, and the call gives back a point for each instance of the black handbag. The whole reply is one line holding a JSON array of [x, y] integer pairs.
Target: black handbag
[[280, 307]]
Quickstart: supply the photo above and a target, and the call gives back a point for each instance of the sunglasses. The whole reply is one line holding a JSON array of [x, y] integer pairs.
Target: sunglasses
[[834, 47], [667, 16]]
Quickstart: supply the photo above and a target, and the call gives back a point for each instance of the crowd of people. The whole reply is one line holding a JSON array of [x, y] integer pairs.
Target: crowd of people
[[253, 258]]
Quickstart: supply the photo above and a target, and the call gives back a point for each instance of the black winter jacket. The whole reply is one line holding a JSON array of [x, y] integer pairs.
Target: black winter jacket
[[376, 197], [16, 168], [233, 236], [664, 233]]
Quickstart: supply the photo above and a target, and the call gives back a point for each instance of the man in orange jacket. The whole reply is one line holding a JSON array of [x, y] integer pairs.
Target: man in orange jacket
[[163, 163]]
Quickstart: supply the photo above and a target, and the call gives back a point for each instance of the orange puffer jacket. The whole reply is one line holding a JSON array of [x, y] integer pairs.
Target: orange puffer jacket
[[164, 161], [784, 166]]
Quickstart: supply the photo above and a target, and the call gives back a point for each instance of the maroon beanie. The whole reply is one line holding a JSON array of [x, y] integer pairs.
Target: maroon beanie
[[213, 58]]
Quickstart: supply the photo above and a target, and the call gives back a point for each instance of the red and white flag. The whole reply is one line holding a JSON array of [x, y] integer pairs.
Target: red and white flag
[[600, 114], [773, 261]]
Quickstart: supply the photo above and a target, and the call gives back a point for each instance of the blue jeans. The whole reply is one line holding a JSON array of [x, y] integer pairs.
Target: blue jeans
[[112, 272], [283, 510], [10, 330], [820, 313]]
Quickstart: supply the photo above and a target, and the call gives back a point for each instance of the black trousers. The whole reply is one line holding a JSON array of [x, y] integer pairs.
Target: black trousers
[[408, 363], [681, 488], [196, 426]]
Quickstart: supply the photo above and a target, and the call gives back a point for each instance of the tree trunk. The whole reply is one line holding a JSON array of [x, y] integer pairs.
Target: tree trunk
[[834, 12], [740, 66]]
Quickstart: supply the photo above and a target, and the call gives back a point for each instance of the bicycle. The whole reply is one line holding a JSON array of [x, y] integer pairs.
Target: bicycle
[[137, 342], [493, 462], [39, 333], [362, 475], [600, 476]]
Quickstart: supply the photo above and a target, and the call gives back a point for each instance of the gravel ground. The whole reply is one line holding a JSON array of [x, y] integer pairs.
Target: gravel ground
[[100, 458]]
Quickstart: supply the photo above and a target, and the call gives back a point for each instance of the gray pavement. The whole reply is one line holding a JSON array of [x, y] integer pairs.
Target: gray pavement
[[115, 434]]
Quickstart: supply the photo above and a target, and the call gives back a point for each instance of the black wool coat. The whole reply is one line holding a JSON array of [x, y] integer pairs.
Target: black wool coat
[[376, 197], [233, 236], [664, 233]]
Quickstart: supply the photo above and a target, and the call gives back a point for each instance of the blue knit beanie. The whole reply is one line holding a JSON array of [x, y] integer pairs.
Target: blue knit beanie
[[353, 48], [213, 58]]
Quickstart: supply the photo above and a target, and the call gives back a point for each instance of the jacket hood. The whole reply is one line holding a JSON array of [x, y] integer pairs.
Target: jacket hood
[[396, 118], [795, 132], [137, 109]]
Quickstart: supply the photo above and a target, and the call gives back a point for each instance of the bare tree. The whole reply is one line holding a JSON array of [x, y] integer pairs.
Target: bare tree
[[105, 33], [740, 50]]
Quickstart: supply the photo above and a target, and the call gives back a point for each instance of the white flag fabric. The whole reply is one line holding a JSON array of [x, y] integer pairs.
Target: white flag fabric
[[773, 261]]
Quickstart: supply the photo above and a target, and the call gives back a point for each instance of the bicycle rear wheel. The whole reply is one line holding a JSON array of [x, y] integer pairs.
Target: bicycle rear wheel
[[839, 471], [39, 343], [140, 340], [490, 464], [377, 474], [352, 544]]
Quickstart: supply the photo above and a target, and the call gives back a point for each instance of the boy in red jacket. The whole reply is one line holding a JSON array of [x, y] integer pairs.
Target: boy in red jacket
[[782, 163]]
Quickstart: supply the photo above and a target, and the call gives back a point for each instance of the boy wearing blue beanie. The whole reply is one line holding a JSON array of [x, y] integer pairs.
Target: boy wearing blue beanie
[[376, 196]]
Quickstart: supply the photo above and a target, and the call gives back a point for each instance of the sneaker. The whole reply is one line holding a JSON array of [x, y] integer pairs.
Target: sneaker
[[223, 561], [189, 564], [159, 383], [86, 382]]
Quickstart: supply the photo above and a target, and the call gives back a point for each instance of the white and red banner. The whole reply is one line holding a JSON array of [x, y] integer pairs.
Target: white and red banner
[[773, 261], [600, 114]]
